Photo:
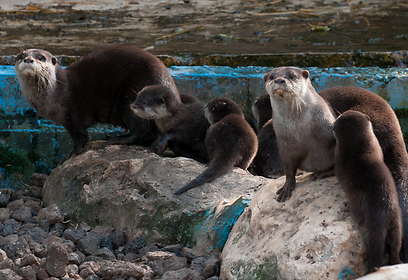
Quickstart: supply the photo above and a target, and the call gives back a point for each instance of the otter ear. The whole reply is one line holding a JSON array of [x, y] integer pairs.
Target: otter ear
[[54, 60], [305, 74], [368, 117], [265, 78]]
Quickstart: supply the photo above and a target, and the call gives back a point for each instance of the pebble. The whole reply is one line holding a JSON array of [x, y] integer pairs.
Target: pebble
[[37, 243]]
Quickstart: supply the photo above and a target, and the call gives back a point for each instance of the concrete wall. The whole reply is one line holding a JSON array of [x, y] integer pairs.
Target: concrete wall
[[45, 143]]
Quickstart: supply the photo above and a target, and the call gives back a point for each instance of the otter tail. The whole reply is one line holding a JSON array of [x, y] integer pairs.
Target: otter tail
[[213, 171]]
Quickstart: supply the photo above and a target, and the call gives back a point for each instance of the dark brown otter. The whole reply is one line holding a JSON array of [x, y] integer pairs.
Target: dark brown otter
[[262, 110], [267, 161], [369, 186], [388, 132], [303, 124], [182, 125], [99, 88], [230, 141]]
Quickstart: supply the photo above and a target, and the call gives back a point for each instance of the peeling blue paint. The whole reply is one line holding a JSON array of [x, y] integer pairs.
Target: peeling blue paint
[[345, 273]]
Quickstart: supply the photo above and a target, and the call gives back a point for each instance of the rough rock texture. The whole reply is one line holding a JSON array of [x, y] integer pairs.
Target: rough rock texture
[[137, 187], [67, 250], [310, 236], [394, 272]]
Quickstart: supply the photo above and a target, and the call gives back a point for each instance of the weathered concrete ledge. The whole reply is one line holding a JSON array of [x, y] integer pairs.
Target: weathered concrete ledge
[[45, 143], [309, 59]]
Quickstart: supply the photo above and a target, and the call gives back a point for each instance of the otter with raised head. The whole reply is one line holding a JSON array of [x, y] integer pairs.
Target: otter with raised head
[[388, 132], [303, 124], [369, 186], [99, 88], [267, 161], [182, 125], [230, 141]]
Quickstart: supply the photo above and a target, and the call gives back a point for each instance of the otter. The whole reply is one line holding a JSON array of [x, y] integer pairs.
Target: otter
[[230, 141], [388, 132], [262, 110], [182, 125], [303, 124], [267, 161], [369, 186], [99, 88]]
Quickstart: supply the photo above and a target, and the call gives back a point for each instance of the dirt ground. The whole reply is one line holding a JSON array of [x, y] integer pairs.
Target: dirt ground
[[195, 28]]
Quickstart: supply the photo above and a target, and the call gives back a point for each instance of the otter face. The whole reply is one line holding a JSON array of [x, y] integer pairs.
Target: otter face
[[283, 82], [34, 62], [152, 102]]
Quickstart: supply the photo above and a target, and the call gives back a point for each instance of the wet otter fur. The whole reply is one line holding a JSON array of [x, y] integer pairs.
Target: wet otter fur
[[182, 125], [99, 88], [230, 141], [303, 124], [369, 186]]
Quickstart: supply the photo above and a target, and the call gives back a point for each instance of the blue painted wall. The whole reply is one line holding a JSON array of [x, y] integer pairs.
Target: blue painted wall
[[45, 143]]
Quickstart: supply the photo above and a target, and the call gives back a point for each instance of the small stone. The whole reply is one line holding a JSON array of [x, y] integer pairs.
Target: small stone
[[113, 270], [148, 248], [198, 264], [89, 243], [34, 205], [118, 238], [89, 268], [44, 225], [4, 214], [93, 277], [84, 226], [53, 214], [15, 205], [27, 272], [57, 260], [191, 254], [8, 274], [38, 234], [72, 268], [130, 257], [161, 262], [106, 242], [57, 229], [3, 255], [22, 215], [4, 199], [105, 254], [135, 245], [103, 231], [29, 259], [38, 180], [212, 266], [181, 274], [42, 274], [73, 234], [17, 249], [7, 263], [74, 258]]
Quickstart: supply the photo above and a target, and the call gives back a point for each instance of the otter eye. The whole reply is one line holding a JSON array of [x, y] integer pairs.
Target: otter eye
[[20, 57], [41, 58], [291, 76]]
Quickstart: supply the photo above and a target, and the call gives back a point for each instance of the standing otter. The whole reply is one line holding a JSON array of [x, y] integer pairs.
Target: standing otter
[[267, 161], [369, 186], [303, 124], [388, 132], [262, 110], [99, 88], [230, 141], [182, 125]]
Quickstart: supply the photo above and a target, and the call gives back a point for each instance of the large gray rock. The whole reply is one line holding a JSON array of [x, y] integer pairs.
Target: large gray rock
[[310, 236], [131, 189]]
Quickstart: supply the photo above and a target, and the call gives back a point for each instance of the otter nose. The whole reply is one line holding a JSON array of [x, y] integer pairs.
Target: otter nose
[[280, 81], [28, 60]]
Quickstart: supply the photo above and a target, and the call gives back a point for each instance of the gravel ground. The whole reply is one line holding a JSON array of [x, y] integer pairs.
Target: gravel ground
[[41, 243]]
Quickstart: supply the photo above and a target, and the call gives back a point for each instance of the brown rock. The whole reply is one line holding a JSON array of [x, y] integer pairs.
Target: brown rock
[[8, 274], [118, 269], [182, 274], [52, 213], [57, 260]]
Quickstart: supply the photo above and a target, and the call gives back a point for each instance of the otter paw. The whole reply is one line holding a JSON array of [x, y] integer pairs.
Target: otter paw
[[283, 194]]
